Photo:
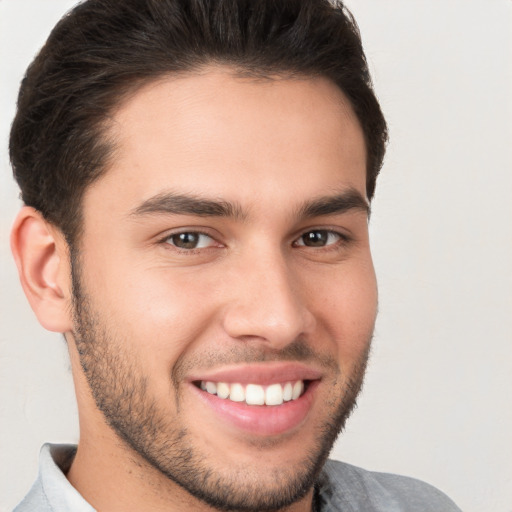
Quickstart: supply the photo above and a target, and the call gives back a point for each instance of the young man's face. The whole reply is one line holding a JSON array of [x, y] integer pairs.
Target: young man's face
[[226, 248]]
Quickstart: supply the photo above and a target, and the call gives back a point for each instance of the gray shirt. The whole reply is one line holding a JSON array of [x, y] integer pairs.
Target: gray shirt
[[340, 488]]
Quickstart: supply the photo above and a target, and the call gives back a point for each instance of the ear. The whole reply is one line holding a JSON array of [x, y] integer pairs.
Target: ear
[[42, 257]]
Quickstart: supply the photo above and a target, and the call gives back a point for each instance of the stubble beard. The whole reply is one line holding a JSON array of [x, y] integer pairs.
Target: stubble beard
[[120, 391]]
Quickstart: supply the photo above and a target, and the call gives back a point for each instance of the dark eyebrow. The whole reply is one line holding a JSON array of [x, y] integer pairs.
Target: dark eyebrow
[[179, 204], [336, 204]]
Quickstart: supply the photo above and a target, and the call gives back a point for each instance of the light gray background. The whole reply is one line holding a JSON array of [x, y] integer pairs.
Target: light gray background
[[437, 400]]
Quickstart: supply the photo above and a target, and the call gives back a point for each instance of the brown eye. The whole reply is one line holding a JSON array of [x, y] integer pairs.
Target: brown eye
[[190, 240], [318, 238]]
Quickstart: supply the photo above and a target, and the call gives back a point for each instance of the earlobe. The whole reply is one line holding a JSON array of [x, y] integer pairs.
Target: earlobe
[[42, 257]]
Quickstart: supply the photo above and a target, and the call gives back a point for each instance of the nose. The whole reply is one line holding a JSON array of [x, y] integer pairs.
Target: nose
[[267, 303]]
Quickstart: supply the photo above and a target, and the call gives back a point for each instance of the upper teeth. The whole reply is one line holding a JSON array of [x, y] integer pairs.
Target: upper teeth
[[254, 394]]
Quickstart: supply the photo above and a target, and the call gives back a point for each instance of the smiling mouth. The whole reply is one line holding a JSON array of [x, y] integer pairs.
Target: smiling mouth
[[255, 394]]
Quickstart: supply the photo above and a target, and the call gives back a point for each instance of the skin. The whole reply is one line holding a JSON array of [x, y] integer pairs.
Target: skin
[[150, 315]]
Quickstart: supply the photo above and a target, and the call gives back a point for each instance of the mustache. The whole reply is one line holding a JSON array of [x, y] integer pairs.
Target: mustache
[[246, 353]]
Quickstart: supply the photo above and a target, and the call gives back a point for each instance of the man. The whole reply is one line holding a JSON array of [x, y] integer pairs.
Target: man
[[197, 179]]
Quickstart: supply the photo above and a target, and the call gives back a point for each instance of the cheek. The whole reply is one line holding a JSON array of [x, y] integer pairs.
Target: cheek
[[153, 311], [348, 310]]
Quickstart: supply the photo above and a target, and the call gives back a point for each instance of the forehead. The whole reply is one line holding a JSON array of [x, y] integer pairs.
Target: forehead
[[218, 134]]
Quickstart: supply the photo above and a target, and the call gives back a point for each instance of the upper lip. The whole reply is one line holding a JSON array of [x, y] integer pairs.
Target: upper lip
[[259, 373]]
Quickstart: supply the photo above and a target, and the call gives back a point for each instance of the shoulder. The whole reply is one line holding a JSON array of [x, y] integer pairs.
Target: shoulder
[[51, 491], [34, 500], [356, 489]]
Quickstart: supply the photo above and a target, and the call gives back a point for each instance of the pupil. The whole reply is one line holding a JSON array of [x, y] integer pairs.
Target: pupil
[[186, 240], [315, 238]]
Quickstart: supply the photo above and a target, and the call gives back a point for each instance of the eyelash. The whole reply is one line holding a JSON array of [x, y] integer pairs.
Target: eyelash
[[342, 239]]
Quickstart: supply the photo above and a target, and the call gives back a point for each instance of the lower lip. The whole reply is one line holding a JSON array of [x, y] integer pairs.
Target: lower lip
[[262, 420]]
